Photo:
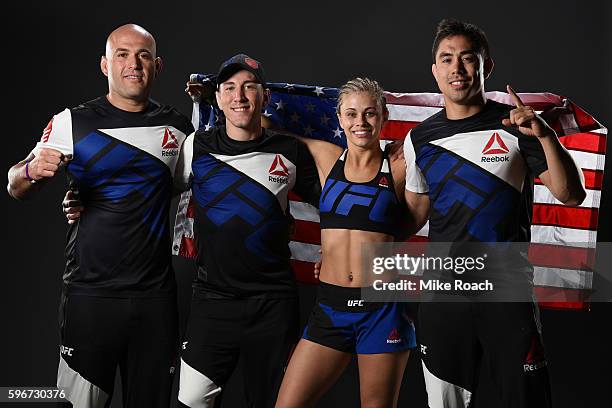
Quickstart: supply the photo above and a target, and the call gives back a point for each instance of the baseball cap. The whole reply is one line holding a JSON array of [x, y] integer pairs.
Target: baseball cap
[[237, 63]]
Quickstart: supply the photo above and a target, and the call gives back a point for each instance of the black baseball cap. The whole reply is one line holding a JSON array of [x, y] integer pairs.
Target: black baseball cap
[[238, 63]]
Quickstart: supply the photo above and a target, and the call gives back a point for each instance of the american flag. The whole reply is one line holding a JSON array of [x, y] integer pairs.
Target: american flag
[[563, 239]]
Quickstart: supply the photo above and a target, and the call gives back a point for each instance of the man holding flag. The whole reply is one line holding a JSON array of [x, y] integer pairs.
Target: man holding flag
[[469, 170], [244, 307]]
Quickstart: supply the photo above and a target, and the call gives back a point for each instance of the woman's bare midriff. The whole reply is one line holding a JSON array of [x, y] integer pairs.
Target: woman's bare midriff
[[342, 260]]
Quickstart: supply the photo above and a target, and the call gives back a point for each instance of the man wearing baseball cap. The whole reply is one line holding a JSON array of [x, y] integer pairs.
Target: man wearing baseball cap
[[237, 63], [244, 308]]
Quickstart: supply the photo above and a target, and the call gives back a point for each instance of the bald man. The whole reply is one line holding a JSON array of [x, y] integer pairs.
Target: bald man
[[118, 306]]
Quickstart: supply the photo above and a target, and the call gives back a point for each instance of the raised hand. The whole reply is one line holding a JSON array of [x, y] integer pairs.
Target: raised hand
[[525, 119], [201, 91]]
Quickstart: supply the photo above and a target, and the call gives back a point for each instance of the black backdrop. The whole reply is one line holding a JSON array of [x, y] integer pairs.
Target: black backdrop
[[50, 61]]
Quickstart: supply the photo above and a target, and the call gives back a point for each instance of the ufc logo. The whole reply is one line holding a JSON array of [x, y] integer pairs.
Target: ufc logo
[[423, 349], [66, 350], [356, 302]]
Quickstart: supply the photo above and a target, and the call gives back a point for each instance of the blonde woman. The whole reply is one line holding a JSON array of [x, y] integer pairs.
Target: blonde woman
[[362, 202]]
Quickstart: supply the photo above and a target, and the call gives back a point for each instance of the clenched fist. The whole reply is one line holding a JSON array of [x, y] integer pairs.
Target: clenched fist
[[46, 164]]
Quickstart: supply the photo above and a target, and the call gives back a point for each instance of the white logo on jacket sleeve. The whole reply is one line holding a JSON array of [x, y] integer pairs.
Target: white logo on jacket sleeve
[[47, 132], [58, 134]]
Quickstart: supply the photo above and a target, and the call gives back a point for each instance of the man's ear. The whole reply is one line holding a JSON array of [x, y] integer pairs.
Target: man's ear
[[104, 65], [267, 97], [217, 97], [159, 65], [488, 67], [434, 71]]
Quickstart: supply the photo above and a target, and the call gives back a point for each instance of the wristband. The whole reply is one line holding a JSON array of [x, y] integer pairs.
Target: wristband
[[28, 173]]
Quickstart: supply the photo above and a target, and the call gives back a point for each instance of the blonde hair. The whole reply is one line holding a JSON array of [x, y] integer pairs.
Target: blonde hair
[[362, 85]]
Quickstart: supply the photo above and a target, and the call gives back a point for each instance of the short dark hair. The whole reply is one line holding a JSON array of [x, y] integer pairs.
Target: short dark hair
[[450, 27]]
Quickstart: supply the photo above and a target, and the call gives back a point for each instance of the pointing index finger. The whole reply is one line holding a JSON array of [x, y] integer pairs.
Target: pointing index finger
[[515, 97]]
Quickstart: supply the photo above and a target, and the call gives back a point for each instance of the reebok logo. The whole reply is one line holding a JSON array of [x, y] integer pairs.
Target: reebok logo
[[354, 302], [278, 167], [495, 146], [535, 357], [394, 337], [494, 159], [383, 182], [278, 171], [169, 144], [533, 367]]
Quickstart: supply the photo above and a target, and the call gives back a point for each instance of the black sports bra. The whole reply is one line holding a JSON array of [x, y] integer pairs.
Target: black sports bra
[[370, 206]]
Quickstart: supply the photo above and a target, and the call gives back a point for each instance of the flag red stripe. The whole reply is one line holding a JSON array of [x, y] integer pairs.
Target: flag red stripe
[[307, 231], [417, 238], [562, 305], [191, 208], [294, 197], [565, 257], [559, 298], [304, 271], [188, 248], [585, 121], [585, 142], [562, 216], [396, 129], [593, 179]]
